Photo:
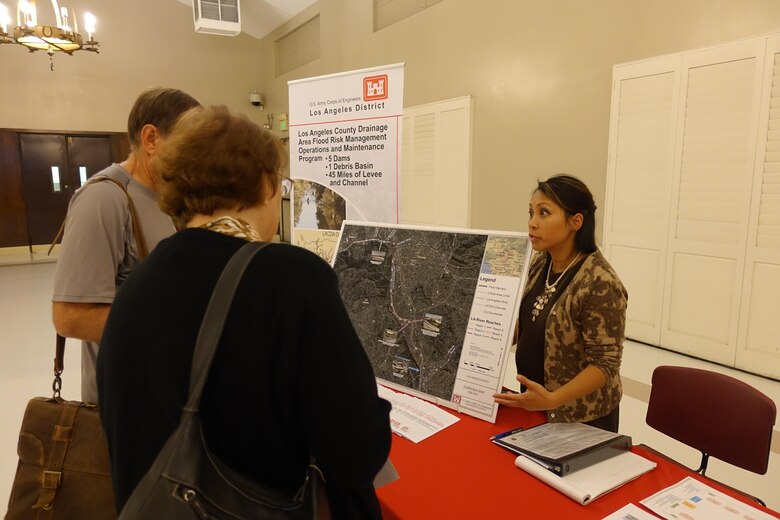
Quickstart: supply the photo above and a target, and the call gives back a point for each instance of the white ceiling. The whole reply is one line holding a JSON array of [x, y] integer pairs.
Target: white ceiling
[[260, 17]]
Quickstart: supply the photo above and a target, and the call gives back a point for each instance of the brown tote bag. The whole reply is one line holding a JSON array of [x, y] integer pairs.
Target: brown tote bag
[[64, 469]]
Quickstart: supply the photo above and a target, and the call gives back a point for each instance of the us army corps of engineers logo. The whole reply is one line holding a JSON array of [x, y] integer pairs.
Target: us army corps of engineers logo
[[375, 87]]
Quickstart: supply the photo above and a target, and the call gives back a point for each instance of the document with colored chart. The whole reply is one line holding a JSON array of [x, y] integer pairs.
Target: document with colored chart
[[694, 500]]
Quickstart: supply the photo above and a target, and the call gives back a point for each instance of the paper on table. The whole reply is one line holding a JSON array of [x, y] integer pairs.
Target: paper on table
[[414, 418], [699, 502], [630, 512], [586, 485]]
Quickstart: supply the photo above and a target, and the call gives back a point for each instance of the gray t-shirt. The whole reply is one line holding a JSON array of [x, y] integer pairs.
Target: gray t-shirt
[[99, 249]]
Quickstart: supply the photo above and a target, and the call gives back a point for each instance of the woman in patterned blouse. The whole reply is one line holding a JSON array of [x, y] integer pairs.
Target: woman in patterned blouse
[[571, 327]]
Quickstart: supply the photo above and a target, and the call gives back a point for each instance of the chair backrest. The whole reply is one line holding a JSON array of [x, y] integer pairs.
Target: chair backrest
[[714, 413]]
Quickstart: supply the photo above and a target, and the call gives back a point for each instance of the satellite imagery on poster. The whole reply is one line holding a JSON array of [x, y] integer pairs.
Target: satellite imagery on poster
[[410, 294]]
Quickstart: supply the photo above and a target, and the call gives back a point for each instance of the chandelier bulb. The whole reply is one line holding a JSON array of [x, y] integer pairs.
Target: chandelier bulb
[[5, 19], [64, 37], [57, 12], [89, 24]]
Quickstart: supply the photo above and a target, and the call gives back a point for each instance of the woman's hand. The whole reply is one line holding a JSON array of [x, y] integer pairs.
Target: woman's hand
[[535, 398]]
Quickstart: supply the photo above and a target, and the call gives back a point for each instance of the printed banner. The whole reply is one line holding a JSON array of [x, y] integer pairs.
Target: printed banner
[[344, 153]]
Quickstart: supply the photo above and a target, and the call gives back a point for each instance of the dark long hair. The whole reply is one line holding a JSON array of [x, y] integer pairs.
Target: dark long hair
[[574, 197]]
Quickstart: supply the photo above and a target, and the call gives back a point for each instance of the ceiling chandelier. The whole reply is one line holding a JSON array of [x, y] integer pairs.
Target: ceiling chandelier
[[60, 38]]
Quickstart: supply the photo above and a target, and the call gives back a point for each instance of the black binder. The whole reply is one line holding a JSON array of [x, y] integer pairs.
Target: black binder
[[608, 445]]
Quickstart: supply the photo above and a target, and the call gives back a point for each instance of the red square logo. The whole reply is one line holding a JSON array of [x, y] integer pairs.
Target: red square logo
[[375, 87]]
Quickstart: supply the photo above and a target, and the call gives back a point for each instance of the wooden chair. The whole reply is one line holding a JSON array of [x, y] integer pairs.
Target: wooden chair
[[714, 413]]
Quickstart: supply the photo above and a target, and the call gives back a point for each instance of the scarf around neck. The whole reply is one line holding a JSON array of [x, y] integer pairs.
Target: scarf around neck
[[234, 227]]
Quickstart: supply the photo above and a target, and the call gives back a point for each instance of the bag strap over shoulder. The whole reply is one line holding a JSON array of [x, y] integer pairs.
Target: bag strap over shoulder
[[143, 250], [214, 319]]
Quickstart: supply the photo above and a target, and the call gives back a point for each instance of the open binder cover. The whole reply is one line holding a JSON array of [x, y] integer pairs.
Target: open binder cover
[[588, 484], [564, 448]]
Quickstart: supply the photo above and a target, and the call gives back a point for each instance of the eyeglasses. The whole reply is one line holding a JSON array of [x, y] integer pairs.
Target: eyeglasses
[[287, 185]]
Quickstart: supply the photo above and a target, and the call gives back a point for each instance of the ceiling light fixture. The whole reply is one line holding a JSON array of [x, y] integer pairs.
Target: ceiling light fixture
[[52, 39]]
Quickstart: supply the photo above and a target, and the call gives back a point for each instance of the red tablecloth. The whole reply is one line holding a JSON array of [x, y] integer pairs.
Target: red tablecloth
[[458, 473]]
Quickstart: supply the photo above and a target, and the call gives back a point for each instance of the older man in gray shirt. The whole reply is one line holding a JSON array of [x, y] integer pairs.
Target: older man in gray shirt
[[99, 247]]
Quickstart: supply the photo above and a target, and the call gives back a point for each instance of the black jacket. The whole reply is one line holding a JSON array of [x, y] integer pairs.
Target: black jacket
[[290, 376]]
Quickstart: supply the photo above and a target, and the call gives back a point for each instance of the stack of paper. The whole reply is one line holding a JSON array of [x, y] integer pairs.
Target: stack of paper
[[414, 418], [587, 484]]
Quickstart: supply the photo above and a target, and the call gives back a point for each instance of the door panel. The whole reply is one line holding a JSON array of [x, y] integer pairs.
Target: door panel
[[120, 147], [436, 163], [52, 170], [714, 162], [13, 220], [639, 186], [88, 155], [46, 200]]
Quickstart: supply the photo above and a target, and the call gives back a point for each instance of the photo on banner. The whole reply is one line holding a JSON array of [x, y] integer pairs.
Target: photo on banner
[[434, 307], [344, 153]]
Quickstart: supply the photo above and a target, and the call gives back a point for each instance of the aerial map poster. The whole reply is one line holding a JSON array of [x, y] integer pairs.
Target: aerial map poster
[[434, 307], [344, 152]]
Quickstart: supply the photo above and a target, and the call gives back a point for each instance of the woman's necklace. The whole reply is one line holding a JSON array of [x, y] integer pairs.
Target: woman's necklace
[[549, 289]]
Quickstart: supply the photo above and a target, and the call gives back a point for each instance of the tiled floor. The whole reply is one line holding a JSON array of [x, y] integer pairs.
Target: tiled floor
[[27, 347]]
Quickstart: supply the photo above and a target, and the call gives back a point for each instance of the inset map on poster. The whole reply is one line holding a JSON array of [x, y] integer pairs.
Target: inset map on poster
[[434, 307]]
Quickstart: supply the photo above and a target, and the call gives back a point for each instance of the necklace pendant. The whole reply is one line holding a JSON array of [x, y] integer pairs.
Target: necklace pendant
[[549, 289], [539, 304]]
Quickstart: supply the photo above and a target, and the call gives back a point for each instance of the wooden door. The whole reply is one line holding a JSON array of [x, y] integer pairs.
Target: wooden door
[[13, 219], [53, 168], [87, 156], [47, 187]]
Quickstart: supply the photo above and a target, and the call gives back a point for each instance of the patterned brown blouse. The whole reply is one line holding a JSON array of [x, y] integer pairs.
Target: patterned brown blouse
[[586, 326]]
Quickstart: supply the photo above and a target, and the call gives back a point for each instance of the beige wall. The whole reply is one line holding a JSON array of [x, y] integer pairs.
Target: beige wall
[[539, 70], [143, 43]]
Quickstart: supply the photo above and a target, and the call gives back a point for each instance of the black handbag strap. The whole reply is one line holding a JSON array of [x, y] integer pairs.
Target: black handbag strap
[[214, 319]]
